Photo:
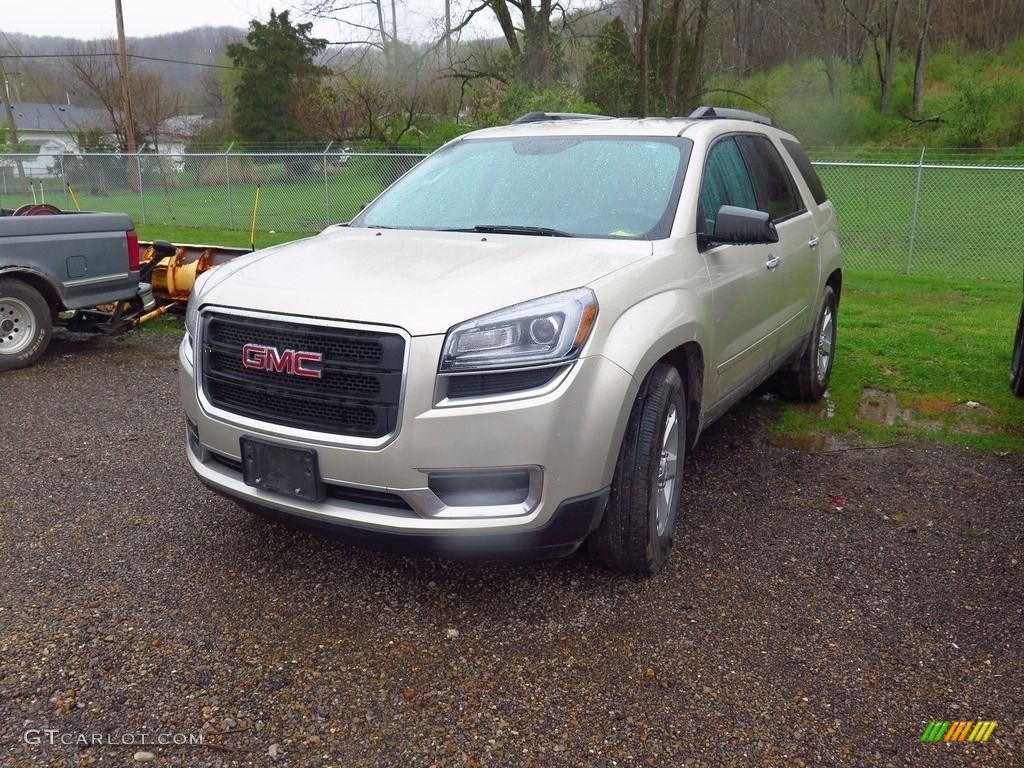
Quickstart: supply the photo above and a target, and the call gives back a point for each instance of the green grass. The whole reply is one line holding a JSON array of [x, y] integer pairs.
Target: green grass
[[934, 345]]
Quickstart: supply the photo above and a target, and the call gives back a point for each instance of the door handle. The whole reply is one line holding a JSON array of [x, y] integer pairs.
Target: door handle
[[813, 242], [773, 262]]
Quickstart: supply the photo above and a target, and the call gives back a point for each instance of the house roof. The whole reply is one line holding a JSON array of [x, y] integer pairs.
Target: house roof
[[182, 127], [57, 118]]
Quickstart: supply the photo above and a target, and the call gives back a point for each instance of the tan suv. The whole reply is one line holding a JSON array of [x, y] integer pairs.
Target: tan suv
[[510, 350]]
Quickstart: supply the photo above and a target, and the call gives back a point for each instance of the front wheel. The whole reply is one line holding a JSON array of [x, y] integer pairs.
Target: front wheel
[[25, 325], [809, 381], [635, 534], [1017, 366]]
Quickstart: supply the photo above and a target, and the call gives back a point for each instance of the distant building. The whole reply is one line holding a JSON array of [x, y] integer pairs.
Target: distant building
[[52, 130]]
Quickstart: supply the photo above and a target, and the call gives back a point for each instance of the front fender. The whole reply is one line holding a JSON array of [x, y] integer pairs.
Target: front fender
[[672, 324]]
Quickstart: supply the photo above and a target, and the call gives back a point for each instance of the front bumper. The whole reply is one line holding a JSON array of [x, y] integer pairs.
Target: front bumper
[[564, 440]]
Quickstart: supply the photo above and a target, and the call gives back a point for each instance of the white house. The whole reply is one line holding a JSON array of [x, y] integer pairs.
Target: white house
[[52, 130]]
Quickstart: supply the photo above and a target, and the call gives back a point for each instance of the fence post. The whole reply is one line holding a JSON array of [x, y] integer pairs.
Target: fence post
[[913, 218], [64, 179], [227, 181], [141, 192], [327, 189]]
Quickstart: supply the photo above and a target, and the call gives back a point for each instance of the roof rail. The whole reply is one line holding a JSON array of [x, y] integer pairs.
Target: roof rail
[[711, 113], [535, 117]]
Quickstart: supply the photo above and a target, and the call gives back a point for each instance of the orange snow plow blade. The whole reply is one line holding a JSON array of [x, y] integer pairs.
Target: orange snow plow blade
[[172, 277]]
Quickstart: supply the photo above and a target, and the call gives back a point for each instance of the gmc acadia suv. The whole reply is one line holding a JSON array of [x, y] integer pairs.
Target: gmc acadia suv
[[512, 347]]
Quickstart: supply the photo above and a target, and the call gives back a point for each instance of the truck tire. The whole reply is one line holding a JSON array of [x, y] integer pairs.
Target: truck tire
[[1017, 365], [809, 381], [635, 534], [25, 325]]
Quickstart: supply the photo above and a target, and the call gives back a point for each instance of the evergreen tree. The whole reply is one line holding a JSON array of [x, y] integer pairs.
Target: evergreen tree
[[277, 70], [612, 79]]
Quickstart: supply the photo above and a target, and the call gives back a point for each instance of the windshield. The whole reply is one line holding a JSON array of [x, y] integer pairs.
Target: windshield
[[576, 187]]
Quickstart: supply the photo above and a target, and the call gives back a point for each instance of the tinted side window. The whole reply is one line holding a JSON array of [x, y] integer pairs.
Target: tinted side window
[[725, 182], [776, 192], [803, 163]]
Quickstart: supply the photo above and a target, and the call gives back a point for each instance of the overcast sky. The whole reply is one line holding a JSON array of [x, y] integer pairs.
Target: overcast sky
[[90, 19]]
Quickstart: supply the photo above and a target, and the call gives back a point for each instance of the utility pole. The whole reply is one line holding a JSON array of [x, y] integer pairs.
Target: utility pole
[[13, 131], [126, 103]]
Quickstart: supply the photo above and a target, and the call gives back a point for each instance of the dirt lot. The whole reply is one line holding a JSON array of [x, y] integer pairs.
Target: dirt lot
[[820, 610]]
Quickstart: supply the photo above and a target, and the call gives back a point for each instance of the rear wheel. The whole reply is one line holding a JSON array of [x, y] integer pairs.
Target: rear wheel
[[635, 534], [1017, 366], [25, 325], [809, 381]]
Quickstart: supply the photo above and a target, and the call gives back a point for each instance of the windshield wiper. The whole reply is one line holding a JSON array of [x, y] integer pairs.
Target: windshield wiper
[[517, 229]]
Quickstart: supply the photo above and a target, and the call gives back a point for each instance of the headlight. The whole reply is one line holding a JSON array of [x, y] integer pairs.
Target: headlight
[[544, 331]]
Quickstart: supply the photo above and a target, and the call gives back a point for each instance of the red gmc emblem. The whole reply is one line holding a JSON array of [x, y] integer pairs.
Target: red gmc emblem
[[290, 361]]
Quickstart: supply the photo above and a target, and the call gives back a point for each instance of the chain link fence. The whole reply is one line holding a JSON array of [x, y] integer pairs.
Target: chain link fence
[[293, 192], [955, 216], [945, 219]]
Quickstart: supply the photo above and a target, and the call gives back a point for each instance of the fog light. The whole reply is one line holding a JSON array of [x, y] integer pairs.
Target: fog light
[[193, 437], [481, 489]]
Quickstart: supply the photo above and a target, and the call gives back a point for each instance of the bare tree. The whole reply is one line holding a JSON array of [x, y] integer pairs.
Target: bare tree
[[93, 67], [702, 23], [856, 14], [153, 105], [373, 23], [926, 7], [528, 27], [644, 48], [881, 23], [826, 29], [886, 44]]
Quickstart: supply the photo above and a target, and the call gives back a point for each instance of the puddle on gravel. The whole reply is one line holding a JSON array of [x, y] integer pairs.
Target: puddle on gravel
[[823, 410], [882, 407]]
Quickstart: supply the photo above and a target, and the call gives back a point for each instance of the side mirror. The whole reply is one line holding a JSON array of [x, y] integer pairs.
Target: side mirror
[[740, 226]]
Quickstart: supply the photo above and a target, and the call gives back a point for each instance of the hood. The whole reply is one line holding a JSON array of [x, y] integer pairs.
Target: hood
[[424, 282]]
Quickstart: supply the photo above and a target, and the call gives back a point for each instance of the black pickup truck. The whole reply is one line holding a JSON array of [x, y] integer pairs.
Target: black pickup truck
[[55, 268]]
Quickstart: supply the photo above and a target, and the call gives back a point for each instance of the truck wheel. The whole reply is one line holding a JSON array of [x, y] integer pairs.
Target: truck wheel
[[1017, 366], [635, 534], [810, 380], [25, 325]]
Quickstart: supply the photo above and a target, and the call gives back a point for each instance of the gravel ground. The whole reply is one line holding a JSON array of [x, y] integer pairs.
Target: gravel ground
[[820, 609]]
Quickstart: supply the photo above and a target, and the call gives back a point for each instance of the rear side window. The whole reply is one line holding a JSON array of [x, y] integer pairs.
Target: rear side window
[[776, 192], [725, 182], [803, 164]]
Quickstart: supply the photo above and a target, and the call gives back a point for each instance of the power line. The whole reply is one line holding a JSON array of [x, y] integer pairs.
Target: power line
[[114, 54]]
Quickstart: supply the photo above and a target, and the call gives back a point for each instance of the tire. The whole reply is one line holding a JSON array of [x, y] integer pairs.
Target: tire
[[1017, 366], [25, 325], [635, 534], [809, 381]]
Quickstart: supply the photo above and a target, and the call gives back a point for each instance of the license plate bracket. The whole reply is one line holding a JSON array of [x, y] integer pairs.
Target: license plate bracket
[[281, 469]]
